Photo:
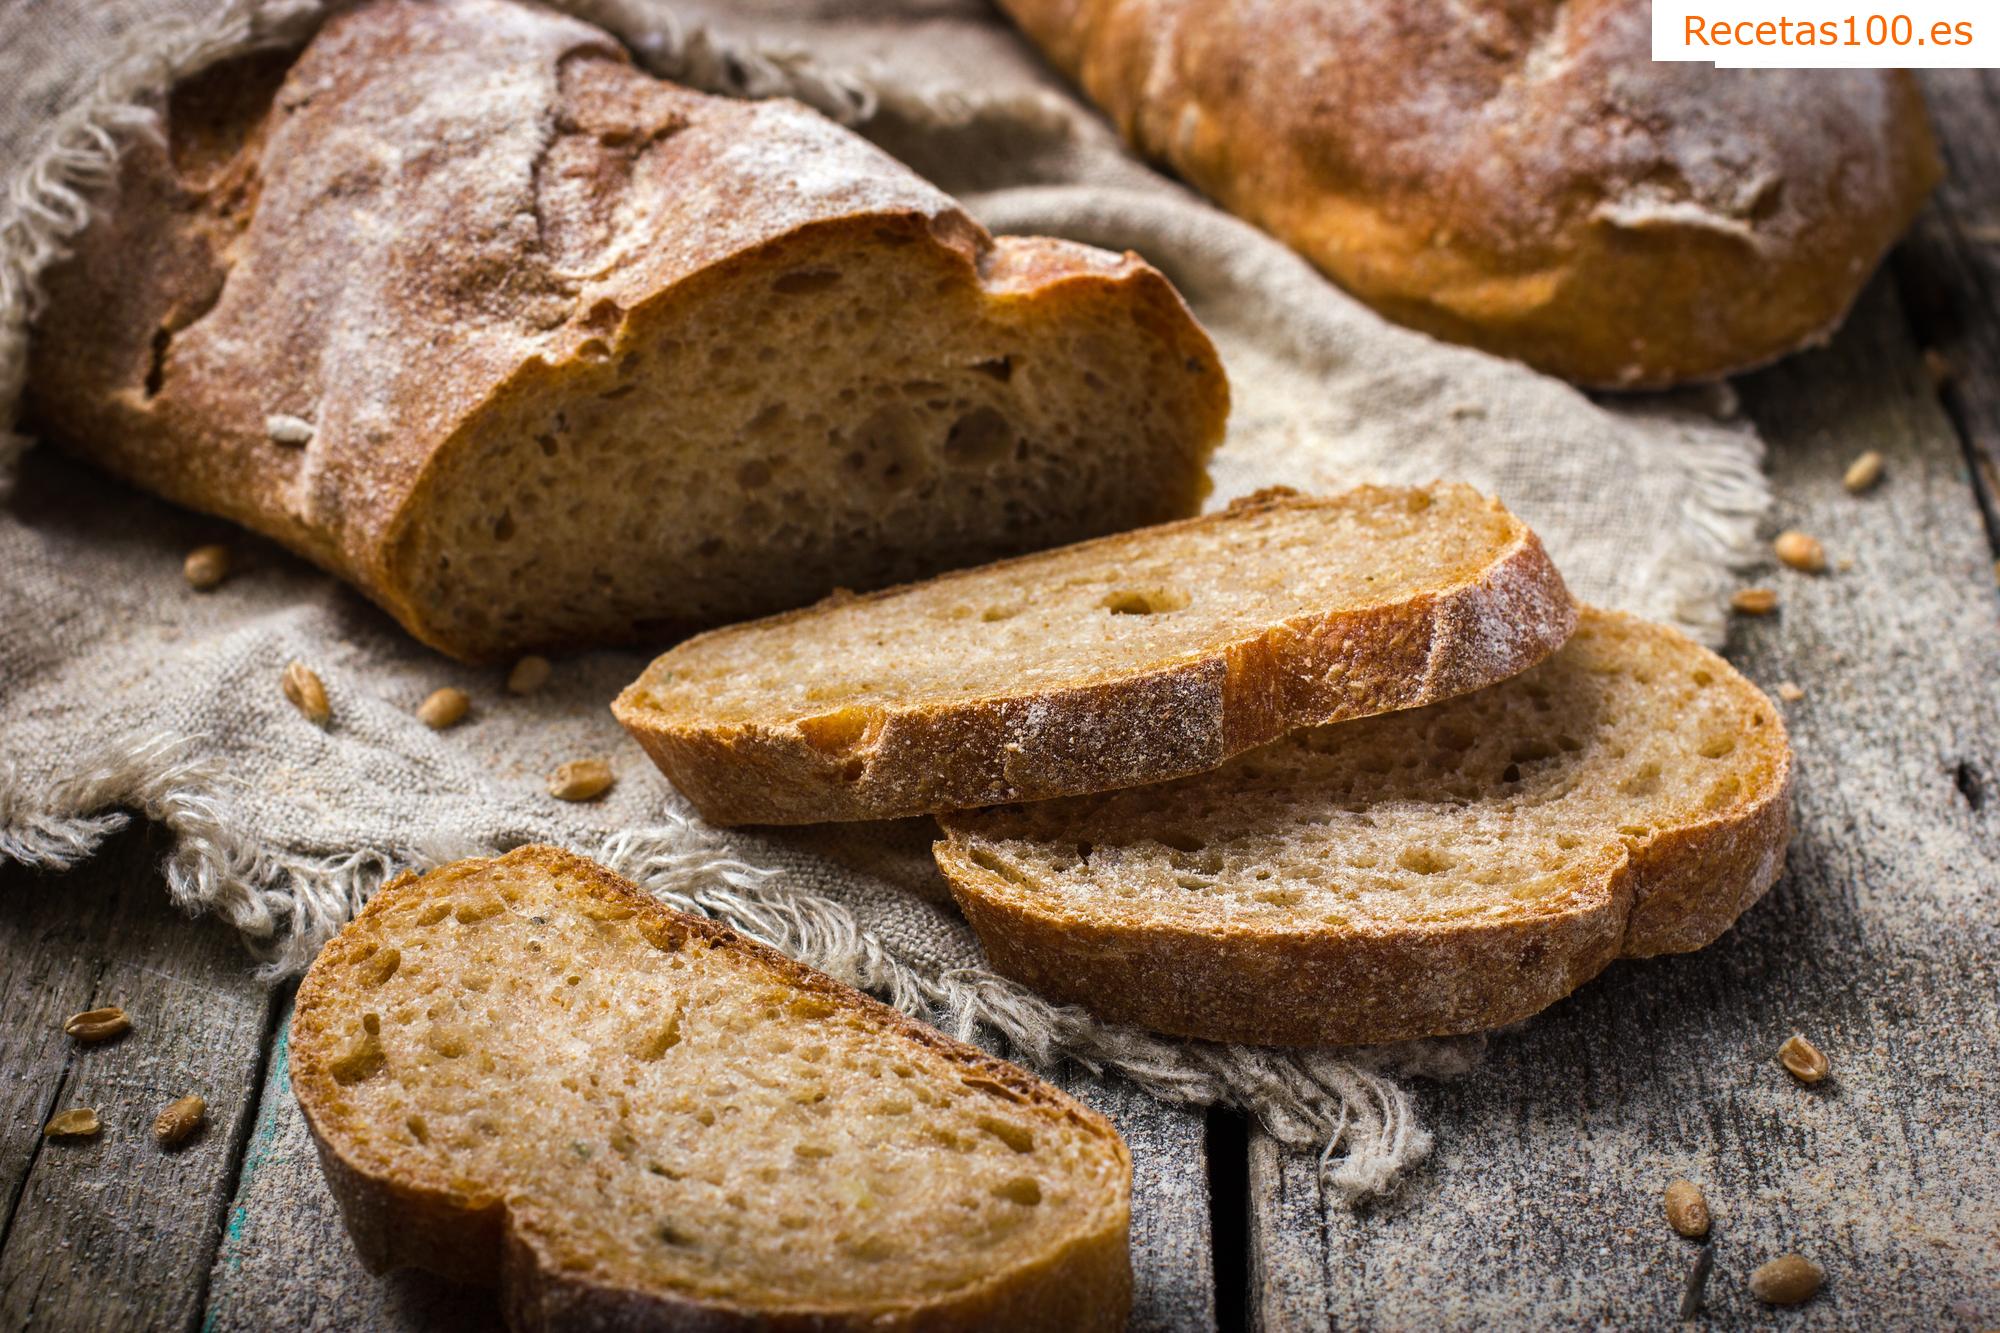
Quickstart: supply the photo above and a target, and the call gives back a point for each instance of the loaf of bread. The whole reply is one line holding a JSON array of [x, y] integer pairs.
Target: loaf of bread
[[1124, 660], [526, 1071], [1438, 871], [538, 350], [1521, 176]]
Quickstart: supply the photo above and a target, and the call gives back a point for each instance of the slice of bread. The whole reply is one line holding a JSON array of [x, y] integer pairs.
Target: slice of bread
[[1430, 872], [1130, 659], [525, 1070], [541, 351]]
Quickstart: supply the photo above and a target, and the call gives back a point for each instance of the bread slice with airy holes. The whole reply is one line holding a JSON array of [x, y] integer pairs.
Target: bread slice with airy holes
[[526, 1071], [1115, 662], [1437, 871]]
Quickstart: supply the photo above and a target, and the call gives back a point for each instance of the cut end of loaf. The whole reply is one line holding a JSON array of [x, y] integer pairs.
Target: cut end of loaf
[[526, 1063], [852, 407], [1442, 870]]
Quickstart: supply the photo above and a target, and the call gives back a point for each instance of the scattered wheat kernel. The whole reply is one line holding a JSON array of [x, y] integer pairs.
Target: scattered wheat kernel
[[95, 1025], [1687, 1210], [529, 674], [181, 1118], [1754, 601], [1802, 1059], [79, 1122], [1844, 564], [580, 780], [444, 708], [1801, 551], [206, 567], [1789, 692], [1862, 473], [1786, 1280], [308, 695]]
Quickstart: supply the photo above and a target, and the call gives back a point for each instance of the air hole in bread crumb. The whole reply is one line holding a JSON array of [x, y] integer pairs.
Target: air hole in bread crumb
[[1182, 842], [1423, 860], [1703, 679], [503, 527], [1021, 1189], [980, 437], [1000, 368], [805, 281], [1144, 601]]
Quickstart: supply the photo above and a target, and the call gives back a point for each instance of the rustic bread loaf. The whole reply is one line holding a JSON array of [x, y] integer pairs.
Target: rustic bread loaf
[[1124, 660], [538, 350], [524, 1070], [1428, 872], [1521, 176]]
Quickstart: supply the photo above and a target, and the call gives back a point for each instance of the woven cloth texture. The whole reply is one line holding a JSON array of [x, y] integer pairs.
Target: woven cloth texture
[[122, 690]]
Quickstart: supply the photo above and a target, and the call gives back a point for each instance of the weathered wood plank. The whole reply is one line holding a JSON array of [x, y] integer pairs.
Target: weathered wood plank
[[285, 1259], [1542, 1203], [115, 1232], [1949, 269], [1173, 1270]]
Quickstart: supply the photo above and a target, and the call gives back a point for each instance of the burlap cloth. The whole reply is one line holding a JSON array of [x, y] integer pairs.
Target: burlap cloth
[[120, 689]]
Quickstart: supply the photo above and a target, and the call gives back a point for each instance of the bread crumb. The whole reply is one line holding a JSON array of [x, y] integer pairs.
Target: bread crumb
[[1789, 692], [288, 430]]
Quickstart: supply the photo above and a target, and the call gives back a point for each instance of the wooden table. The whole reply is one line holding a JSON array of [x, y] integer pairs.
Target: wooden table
[[1541, 1204]]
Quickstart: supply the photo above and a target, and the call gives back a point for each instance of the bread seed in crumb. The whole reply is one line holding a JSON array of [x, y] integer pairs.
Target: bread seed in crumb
[[1862, 473], [308, 695], [79, 1122], [206, 567], [444, 708], [1802, 1059], [529, 674], [1687, 1210], [180, 1119], [95, 1025], [1786, 1280], [1754, 601], [580, 780], [1801, 551], [1789, 692]]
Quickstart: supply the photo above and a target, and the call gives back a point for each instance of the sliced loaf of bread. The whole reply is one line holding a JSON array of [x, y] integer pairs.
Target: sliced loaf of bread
[[524, 1070], [1129, 659], [1436, 871]]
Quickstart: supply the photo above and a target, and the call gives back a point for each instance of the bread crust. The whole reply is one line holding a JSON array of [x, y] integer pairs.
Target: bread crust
[[1118, 731], [1671, 891], [1519, 176], [385, 240], [400, 1223]]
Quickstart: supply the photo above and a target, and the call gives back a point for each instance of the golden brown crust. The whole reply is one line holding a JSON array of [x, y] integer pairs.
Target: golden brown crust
[[1119, 731], [1520, 174], [343, 243], [1673, 890], [398, 1223]]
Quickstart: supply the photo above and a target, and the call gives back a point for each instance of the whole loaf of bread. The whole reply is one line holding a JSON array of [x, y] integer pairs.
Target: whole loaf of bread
[[538, 350], [1520, 175]]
